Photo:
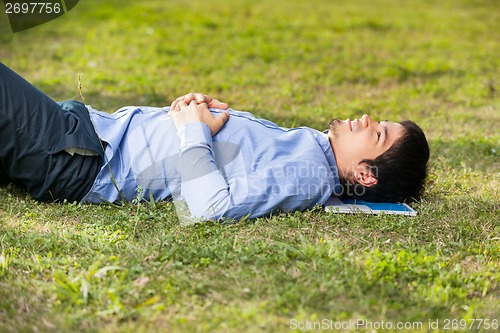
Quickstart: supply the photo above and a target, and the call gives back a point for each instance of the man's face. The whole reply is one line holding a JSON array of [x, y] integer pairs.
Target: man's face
[[359, 139]]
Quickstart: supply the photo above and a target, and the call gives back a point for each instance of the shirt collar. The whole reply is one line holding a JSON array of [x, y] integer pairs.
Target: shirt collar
[[324, 142]]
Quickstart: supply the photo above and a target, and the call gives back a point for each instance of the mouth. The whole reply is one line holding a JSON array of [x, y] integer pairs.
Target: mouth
[[351, 125]]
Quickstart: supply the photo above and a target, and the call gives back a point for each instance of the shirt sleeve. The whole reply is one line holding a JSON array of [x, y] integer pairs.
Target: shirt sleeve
[[203, 186]]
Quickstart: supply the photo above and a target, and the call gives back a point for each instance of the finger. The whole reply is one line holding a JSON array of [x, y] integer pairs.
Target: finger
[[188, 98], [203, 105], [218, 104], [173, 106], [208, 99], [201, 98], [192, 104], [175, 103], [181, 105], [202, 108]]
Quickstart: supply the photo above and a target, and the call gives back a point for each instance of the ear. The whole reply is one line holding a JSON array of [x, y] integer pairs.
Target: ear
[[364, 176]]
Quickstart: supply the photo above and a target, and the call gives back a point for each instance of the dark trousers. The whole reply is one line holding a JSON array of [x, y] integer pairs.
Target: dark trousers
[[34, 133]]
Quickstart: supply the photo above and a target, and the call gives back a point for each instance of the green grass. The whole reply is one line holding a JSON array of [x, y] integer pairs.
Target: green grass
[[68, 267]]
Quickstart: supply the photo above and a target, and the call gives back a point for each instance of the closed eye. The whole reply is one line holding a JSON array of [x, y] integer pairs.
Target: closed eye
[[378, 136]]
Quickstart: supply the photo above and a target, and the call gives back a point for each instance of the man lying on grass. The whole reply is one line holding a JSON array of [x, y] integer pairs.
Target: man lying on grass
[[222, 162]]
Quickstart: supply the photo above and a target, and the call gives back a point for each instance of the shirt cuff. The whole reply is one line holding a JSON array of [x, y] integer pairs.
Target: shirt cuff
[[194, 133]]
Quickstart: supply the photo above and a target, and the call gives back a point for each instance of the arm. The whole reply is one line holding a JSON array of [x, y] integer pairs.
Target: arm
[[248, 191], [204, 188]]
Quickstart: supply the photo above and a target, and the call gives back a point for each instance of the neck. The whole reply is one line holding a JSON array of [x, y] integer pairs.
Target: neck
[[344, 175]]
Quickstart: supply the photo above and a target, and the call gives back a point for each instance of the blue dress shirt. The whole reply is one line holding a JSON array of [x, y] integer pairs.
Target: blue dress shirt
[[250, 168]]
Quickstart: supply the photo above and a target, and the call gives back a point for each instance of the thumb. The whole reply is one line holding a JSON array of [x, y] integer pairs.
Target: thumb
[[223, 117], [220, 121]]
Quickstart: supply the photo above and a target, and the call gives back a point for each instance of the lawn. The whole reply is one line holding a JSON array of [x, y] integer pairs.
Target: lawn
[[133, 268]]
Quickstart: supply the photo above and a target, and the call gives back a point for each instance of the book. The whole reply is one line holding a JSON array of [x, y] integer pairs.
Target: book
[[353, 206]]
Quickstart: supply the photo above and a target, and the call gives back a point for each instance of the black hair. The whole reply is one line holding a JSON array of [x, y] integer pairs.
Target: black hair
[[401, 171]]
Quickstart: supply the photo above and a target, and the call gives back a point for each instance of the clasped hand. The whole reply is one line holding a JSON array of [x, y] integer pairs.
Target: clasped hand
[[194, 107]]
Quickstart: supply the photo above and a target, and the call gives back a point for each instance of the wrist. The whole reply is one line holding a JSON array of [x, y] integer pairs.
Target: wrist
[[194, 133]]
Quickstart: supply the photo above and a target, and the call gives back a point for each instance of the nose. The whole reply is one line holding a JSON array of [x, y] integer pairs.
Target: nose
[[366, 120]]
